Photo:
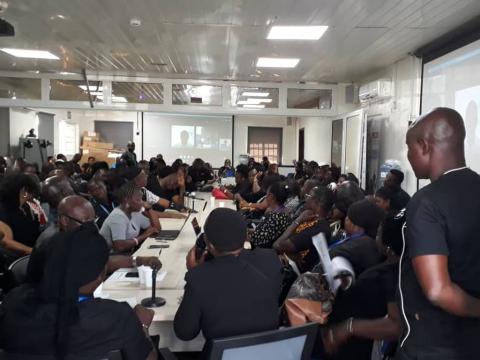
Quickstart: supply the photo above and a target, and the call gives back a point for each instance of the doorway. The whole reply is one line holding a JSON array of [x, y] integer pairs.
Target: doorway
[[301, 144]]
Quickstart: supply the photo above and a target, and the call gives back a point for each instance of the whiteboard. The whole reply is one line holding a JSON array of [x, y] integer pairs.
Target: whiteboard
[[453, 80], [187, 137]]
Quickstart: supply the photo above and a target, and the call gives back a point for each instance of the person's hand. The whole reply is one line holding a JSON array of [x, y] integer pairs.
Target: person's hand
[[334, 337], [307, 215], [192, 260], [144, 315], [238, 197], [151, 261], [151, 231]]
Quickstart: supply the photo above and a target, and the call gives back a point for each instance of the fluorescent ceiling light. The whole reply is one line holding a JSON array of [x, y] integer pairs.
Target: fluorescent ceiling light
[[296, 32], [253, 106], [31, 54], [96, 93], [277, 62], [259, 94], [254, 101], [120, 99]]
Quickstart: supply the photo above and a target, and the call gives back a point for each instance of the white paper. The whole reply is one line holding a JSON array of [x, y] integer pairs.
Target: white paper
[[320, 243], [121, 276]]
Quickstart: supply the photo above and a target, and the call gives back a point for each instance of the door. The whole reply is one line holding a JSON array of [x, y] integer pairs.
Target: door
[[301, 145], [354, 144], [45, 130], [337, 142]]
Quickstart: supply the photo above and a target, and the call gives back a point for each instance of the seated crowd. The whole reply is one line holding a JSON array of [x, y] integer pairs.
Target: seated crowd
[[79, 224]]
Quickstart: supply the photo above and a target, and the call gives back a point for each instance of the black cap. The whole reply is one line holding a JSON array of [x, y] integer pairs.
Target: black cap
[[132, 172], [225, 229]]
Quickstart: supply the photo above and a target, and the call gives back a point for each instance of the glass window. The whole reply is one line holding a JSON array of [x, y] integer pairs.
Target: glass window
[[251, 97], [309, 99], [20, 88], [140, 93], [265, 141], [196, 95], [75, 90]]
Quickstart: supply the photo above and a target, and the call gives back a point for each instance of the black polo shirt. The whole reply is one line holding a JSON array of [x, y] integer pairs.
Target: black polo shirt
[[443, 219]]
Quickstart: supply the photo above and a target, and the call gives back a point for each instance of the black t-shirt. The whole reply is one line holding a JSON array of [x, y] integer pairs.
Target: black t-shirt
[[399, 200], [154, 186], [243, 189], [443, 219], [23, 222], [302, 239], [361, 252], [27, 327]]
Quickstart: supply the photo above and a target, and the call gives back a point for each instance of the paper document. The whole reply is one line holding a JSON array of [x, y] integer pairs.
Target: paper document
[[320, 243]]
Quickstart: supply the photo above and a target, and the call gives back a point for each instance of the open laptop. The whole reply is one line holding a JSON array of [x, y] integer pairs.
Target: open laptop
[[171, 234]]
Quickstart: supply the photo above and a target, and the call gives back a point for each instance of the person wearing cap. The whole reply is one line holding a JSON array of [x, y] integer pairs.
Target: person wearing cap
[[59, 316], [393, 182], [235, 292], [359, 247], [129, 158]]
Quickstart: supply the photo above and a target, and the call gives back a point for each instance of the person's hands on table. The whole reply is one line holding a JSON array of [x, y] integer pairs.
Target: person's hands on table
[[151, 261]]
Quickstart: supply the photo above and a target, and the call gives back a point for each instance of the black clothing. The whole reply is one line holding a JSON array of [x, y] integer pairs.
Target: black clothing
[[200, 175], [23, 222], [243, 189], [442, 219], [27, 327], [367, 298], [101, 211], [252, 197], [154, 186], [272, 226], [399, 199], [229, 296], [361, 252], [130, 158], [302, 239]]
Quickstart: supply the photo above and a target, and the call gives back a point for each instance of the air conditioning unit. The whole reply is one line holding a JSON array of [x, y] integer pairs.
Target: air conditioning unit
[[375, 91]]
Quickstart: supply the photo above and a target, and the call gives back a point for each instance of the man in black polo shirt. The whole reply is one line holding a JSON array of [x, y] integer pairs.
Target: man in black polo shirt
[[393, 182], [439, 283]]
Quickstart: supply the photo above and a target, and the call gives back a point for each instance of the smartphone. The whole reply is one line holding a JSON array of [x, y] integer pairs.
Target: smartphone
[[159, 246], [196, 226], [200, 245]]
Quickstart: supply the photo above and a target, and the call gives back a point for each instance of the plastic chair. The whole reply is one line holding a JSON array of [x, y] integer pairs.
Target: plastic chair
[[18, 270]]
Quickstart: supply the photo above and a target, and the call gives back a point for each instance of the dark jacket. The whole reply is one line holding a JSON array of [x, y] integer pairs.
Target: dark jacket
[[231, 296]]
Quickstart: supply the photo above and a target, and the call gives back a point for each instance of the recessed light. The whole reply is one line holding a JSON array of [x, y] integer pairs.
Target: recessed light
[[259, 94], [296, 32], [277, 62], [59, 16], [31, 54], [253, 106]]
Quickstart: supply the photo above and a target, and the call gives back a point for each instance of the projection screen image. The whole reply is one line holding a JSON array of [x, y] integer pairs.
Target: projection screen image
[[453, 80]]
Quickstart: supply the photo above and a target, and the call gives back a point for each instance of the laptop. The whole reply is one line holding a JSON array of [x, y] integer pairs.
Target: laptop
[[171, 235]]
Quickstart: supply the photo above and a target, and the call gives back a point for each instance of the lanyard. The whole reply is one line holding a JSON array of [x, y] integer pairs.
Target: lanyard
[[344, 240], [105, 209]]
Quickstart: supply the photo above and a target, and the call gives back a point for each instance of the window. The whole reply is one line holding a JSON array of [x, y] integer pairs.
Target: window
[[20, 88], [141, 93], [196, 95], [309, 99], [265, 141], [76, 90]]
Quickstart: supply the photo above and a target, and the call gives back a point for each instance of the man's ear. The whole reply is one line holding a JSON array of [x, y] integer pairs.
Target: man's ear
[[425, 146], [63, 221]]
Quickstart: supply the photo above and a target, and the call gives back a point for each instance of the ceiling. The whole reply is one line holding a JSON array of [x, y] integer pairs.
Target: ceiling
[[222, 39]]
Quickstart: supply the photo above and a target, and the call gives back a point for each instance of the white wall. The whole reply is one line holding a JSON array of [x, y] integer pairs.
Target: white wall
[[86, 122], [318, 138], [398, 111], [21, 121], [289, 141]]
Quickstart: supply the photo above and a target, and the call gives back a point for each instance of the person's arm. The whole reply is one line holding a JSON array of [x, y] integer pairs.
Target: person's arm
[[118, 231], [284, 245], [7, 241], [387, 328], [428, 251], [153, 218], [432, 274], [116, 262]]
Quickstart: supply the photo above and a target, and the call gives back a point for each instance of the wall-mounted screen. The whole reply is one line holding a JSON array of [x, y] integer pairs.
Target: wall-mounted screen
[[187, 137]]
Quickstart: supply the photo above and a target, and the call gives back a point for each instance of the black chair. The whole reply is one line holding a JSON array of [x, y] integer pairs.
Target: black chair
[[294, 343], [18, 270], [112, 355]]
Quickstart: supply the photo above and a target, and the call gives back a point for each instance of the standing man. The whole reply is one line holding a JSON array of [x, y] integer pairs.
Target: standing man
[[393, 182], [129, 156], [439, 282]]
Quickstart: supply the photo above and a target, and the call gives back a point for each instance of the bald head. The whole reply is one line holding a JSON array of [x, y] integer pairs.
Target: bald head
[[436, 143], [73, 211], [55, 188]]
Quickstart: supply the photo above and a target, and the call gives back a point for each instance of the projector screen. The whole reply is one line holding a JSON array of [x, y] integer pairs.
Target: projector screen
[[453, 80], [187, 137]]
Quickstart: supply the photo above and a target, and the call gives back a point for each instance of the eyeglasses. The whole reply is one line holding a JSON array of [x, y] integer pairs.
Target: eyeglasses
[[94, 221]]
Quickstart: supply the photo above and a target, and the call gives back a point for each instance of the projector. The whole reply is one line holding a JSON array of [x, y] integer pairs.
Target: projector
[[6, 29]]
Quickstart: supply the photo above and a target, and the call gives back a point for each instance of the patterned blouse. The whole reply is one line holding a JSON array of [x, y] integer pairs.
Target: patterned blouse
[[273, 225]]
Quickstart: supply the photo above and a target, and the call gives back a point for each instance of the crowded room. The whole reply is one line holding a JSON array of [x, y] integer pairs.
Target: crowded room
[[239, 180]]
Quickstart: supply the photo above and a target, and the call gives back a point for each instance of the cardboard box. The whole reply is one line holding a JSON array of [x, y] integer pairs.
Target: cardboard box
[[96, 145]]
